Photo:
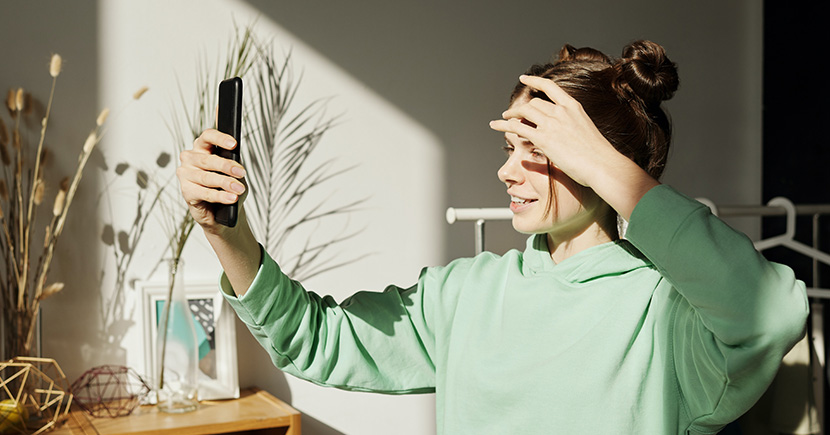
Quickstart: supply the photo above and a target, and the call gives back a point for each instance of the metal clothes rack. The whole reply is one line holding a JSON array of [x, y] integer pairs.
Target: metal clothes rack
[[480, 215], [776, 207]]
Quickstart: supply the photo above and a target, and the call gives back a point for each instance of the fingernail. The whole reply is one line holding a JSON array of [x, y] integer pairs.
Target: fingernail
[[231, 197], [237, 187], [238, 171], [230, 143]]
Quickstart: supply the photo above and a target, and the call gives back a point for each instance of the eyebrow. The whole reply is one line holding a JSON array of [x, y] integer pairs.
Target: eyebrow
[[522, 141]]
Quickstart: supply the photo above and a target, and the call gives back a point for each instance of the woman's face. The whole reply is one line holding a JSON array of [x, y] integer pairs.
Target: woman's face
[[526, 175]]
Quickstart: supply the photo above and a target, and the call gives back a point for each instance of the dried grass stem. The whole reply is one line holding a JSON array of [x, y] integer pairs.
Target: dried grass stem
[[22, 190]]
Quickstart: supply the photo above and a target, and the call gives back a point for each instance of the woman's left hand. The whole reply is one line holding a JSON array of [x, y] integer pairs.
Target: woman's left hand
[[569, 139], [560, 129]]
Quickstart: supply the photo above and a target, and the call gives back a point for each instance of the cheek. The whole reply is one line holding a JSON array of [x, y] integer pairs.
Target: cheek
[[565, 185], [541, 184], [567, 195]]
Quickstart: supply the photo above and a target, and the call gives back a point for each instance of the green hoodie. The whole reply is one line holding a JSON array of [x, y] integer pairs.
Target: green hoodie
[[678, 329]]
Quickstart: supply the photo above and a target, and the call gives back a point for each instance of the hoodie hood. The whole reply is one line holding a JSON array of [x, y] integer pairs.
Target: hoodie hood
[[608, 259]]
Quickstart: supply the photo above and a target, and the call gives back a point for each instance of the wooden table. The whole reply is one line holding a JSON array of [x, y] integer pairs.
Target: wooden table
[[255, 412]]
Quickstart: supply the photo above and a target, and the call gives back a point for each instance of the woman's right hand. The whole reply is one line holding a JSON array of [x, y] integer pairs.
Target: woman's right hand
[[206, 178]]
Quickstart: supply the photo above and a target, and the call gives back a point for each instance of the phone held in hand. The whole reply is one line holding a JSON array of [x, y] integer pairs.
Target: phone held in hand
[[229, 121]]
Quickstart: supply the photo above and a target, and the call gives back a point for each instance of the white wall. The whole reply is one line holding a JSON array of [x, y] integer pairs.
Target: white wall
[[451, 66], [418, 82], [140, 45]]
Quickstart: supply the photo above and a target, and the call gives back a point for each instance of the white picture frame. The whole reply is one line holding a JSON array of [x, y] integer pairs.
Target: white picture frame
[[218, 372]]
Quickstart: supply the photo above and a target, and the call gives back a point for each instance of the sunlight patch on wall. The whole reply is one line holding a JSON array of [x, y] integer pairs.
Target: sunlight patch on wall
[[398, 162]]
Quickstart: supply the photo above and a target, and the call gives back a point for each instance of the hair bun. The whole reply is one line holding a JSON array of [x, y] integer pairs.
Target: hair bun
[[646, 71]]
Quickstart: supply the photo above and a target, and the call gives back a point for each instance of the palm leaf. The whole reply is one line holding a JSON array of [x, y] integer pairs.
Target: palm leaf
[[283, 170], [286, 177]]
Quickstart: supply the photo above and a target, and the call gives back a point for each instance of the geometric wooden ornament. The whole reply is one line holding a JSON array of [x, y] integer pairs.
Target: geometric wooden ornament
[[34, 395]]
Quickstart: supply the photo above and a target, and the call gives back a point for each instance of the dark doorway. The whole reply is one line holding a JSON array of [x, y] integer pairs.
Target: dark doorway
[[796, 152]]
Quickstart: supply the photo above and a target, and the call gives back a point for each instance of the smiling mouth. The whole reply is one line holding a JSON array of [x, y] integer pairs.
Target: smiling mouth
[[516, 201]]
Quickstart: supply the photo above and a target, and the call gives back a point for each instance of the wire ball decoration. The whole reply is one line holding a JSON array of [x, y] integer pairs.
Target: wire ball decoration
[[109, 391], [34, 395]]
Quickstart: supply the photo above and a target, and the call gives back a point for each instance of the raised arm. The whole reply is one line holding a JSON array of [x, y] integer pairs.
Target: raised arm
[[373, 341], [206, 179]]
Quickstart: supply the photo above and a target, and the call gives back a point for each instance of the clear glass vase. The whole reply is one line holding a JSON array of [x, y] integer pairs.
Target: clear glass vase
[[177, 351]]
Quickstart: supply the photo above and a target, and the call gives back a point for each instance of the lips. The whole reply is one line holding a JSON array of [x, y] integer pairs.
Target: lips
[[518, 204]]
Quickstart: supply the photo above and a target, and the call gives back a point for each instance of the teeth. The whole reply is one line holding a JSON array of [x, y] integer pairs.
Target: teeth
[[518, 200]]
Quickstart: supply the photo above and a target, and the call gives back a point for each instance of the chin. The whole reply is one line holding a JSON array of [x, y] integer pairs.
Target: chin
[[525, 228]]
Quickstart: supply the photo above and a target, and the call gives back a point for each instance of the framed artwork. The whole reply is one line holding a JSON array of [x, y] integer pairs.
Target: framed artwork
[[215, 333]]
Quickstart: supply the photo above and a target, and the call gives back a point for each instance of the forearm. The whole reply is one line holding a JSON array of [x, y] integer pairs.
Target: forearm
[[207, 179], [238, 252], [372, 341], [620, 182]]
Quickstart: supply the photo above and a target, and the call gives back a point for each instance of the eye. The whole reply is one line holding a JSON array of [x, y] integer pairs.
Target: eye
[[537, 153], [508, 149]]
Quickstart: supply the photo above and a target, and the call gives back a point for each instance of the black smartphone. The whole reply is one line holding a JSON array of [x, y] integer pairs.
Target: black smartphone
[[229, 121]]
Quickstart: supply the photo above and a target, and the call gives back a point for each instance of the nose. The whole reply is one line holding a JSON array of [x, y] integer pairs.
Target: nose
[[511, 171]]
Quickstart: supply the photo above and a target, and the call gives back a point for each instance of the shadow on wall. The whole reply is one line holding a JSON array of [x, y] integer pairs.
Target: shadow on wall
[[121, 242], [250, 373], [312, 425], [450, 66], [256, 368], [415, 56]]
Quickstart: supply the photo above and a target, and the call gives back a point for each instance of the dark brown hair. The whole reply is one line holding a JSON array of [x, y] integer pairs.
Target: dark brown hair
[[621, 96]]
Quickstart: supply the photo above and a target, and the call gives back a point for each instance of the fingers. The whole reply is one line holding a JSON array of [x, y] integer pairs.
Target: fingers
[[524, 119], [208, 178], [201, 156], [203, 178], [196, 194], [210, 138], [535, 111], [210, 162], [200, 189], [211, 179], [515, 126], [551, 89]]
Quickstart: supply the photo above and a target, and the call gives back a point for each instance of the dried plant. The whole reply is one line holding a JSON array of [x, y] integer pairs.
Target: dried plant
[[23, 188]]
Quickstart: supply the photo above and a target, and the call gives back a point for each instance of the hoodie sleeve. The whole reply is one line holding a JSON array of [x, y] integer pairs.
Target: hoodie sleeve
[[372, 341], [735, 314]]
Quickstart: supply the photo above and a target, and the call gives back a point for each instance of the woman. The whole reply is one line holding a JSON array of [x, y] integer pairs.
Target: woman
[[678, 328]]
